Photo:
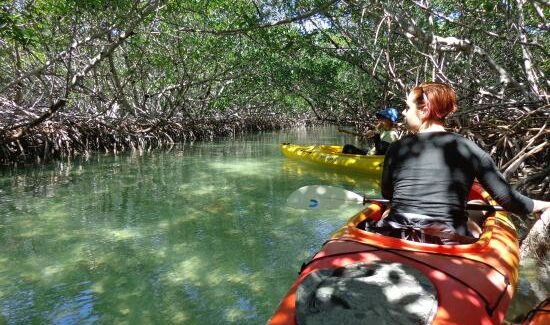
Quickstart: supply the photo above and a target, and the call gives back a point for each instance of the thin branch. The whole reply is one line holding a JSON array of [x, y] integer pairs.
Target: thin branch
[[306, 15]]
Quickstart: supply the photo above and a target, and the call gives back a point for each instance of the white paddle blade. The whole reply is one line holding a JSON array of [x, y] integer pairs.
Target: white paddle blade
[[323, 197]]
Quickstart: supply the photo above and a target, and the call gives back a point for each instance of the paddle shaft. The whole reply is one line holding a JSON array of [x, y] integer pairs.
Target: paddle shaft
[[326, 197], [469, 206]]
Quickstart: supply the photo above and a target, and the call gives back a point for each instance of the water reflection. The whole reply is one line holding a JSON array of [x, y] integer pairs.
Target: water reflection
[[74, 310], [197, 235]]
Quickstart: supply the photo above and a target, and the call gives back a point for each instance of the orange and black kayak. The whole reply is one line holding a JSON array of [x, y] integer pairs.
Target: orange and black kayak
[[457, 284]]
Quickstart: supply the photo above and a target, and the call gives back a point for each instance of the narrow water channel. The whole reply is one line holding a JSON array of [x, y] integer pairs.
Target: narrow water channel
[[199, 234]]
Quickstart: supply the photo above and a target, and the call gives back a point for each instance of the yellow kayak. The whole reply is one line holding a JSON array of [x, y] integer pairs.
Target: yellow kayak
[[332, 156]]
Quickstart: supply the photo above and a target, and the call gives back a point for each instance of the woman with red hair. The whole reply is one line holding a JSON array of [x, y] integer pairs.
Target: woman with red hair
[[428, 174]]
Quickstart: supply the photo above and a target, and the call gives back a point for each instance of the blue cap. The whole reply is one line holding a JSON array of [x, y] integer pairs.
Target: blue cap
[[389, 113]]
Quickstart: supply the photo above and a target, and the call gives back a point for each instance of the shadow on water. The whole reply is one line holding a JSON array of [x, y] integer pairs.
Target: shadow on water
[[197, 235]]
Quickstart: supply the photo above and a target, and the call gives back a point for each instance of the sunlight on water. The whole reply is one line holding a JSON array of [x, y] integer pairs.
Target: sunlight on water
[[245, 168], [122, 234], [197, 235], [200, 234]]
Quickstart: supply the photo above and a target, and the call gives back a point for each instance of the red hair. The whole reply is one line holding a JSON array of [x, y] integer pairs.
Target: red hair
[[438, 99]]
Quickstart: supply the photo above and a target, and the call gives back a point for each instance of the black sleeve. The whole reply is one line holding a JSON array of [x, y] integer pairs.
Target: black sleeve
[[381, 146], [386, 184], [500, 190]]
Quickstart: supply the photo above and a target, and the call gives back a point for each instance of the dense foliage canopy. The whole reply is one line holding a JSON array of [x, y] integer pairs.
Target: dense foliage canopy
[[78, 76]]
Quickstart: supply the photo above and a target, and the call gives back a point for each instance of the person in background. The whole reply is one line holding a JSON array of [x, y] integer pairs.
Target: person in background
[[428, 174], [384, 135]]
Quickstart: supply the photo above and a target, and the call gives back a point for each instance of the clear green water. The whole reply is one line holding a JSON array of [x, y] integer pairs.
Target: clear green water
[[200, 234]]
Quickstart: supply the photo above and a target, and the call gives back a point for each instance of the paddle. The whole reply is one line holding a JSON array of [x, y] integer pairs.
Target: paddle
[[332, 197], [349, 132]]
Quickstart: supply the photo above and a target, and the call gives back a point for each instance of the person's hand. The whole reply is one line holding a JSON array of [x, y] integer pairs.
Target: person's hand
[[545, 216], [370, 133], [541, 206]]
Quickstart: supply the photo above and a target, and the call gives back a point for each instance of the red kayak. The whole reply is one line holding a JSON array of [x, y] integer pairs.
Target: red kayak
[[360, 277]]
